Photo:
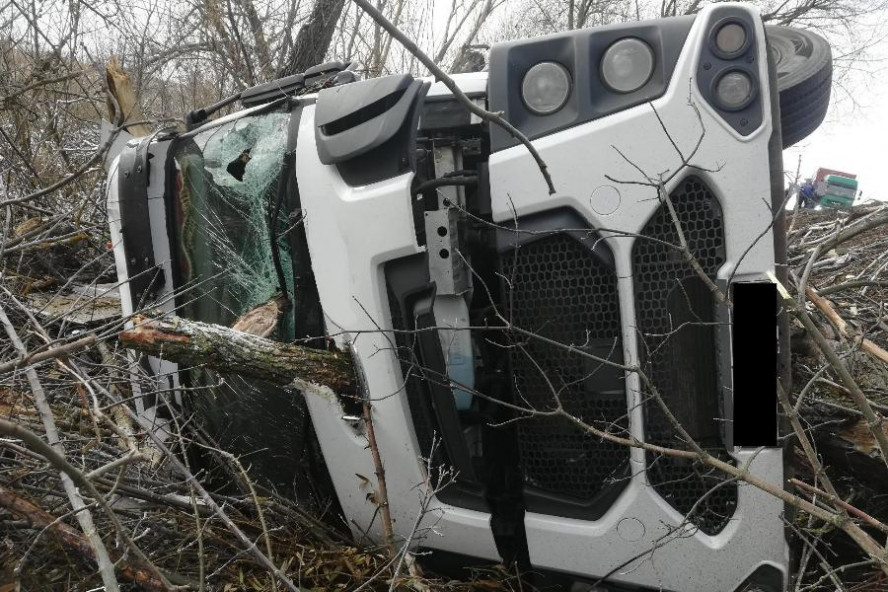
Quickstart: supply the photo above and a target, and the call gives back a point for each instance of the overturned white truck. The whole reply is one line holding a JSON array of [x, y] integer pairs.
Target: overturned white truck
[[404, 228]]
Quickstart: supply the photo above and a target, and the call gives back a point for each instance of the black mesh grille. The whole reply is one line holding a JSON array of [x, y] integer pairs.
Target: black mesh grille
[[675, 314], [562, 291]]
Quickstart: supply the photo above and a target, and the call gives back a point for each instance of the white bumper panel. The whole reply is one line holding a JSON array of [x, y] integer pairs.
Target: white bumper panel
[[352, 232], [637, 538]]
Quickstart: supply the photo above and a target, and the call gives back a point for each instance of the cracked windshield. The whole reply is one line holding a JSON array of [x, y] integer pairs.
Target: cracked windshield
[[228, 187]]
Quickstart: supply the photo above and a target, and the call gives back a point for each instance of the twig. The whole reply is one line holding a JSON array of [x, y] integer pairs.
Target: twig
[[689, 257], [106, 567], [439, 74], [234, 460], [842, 326], [859, 227], [58, 461], [71, 538], [863, 539], [129, 457], [879, 218], [851, 285], [192, 481], [381, 489], [445, 478], [69, 473], [59, 184], [873, 421], [837, 501], [55, 352], [39, 83]]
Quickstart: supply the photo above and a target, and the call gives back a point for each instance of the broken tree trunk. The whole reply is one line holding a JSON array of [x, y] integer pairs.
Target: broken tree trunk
[[220, 348], [120, 87], [314, 38]]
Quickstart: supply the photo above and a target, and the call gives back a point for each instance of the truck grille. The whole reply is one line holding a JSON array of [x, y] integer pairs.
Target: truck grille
[[676, 314], [561, 290]]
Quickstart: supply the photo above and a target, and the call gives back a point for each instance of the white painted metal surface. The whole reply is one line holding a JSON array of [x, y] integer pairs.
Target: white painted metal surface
[[589, 171]]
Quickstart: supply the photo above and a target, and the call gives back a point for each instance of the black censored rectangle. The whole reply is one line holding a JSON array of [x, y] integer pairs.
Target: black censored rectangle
[[754, 340]]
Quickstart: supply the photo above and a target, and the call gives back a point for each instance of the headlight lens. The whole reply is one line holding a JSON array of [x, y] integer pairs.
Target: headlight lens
[[545, 88], [730, 38], [627, 65], [734, 90]]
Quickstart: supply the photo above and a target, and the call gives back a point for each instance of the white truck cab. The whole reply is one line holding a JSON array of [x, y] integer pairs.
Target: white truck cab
[[425, 240]]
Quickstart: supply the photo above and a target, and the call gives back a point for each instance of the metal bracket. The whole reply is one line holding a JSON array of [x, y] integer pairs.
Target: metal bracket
[[447, 269]]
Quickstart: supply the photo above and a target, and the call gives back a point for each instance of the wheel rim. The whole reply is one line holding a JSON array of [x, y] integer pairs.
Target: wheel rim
[[790, 55]]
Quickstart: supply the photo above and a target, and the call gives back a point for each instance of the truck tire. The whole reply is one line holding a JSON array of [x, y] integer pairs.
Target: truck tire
[[803, 61]]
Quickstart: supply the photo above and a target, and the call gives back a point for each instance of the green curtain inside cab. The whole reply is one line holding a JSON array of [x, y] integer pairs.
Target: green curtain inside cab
[[223, 253]]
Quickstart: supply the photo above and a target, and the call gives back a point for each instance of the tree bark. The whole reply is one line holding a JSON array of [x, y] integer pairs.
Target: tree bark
[[220, 348], [314, 38]]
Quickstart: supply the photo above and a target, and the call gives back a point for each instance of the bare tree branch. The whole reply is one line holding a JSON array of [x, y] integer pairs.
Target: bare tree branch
[[440, 75]]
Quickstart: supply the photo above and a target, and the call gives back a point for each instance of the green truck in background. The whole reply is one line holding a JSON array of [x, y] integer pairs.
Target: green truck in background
[[834, 189], [838, 192]]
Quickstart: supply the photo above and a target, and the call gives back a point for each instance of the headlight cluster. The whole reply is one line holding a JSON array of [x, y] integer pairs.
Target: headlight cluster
[[734, 88], [628, 63], [546, 87], [730, 39], [625, 67]]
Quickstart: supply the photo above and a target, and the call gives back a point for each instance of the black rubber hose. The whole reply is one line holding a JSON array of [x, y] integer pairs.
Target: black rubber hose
[[444, 182]]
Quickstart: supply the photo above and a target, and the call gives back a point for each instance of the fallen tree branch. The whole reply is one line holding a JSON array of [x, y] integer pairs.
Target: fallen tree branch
[[55, 352], [840, 503], [873, 421], [54, 458], [842, 326], [71, 538], [54, 452], [228, 350]]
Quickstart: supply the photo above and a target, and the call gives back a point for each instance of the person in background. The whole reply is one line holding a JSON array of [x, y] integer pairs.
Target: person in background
[[807, 195]]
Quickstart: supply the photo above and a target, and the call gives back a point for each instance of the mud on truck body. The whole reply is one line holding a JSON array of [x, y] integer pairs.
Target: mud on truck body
[[425, 241]]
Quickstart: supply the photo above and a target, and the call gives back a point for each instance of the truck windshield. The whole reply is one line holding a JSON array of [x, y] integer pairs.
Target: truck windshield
[[227, 182]]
